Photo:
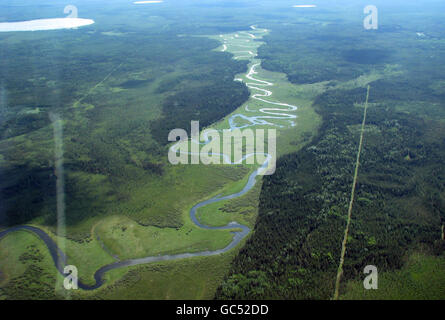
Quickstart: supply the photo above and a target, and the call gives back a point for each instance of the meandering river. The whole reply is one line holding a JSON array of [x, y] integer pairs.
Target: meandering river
[[239, 231]]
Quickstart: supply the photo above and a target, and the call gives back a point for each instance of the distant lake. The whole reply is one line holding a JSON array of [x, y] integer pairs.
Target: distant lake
[[45, 24]]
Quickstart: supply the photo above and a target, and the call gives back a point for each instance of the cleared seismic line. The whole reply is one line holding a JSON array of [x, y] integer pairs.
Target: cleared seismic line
[[351, 202], [97, 85]]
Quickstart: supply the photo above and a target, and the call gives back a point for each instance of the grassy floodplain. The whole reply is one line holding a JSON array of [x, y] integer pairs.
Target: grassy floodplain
[[119, 236]]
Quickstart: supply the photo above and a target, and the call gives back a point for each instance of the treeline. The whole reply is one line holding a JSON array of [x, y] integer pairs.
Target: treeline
[[24, 192], [294, 251]]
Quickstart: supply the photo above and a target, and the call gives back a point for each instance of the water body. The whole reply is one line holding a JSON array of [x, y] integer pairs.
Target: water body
[[279, 111], [239, 231], [60, 260]]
